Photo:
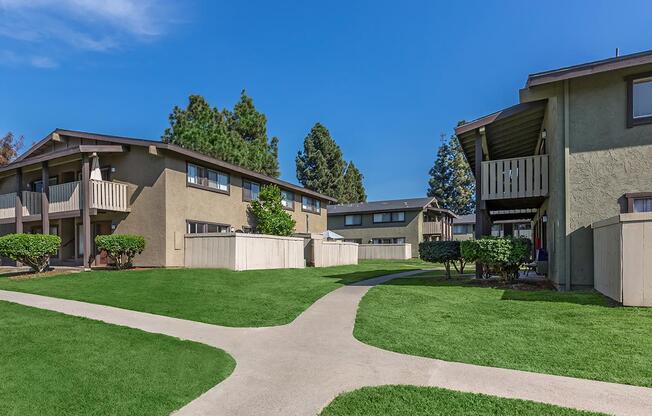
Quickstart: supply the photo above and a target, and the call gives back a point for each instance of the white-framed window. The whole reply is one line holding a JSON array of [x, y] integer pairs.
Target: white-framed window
[[643, 205], [642, 98], [389, 217], [287, 199], [250, 190], [353, 220], [210, 178], [310, 204]]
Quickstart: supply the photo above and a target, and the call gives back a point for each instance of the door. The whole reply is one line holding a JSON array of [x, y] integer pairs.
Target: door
[[100, 228]]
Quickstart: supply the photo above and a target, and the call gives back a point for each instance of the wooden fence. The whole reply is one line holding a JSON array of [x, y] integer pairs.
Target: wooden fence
[[336, 253], [109, 196], [65, 197], [622, 258], [385, 251], [31, 203], [8, 205], [239, 251]]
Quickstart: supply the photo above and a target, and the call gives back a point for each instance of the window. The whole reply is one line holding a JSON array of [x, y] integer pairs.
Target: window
[[287, 200], [310, 205], [353, 240], [639, 202], [196, 227], [353, 220], [389, 216], [639, 100], [460, 229], [250, 190], [207, 178], [388, 240], [642, 204]]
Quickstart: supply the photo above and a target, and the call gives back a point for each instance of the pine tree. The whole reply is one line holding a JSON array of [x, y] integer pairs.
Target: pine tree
[[320, 166], [238, 136], [353, 189], [451, 181]]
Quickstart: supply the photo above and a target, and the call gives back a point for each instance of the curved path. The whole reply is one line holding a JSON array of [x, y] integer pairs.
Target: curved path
[[299, 368]]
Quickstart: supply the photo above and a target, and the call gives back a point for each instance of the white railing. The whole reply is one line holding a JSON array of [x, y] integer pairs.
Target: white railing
[[31, 203], [109, 196], [8, 205], [65, 197], [521, 177]]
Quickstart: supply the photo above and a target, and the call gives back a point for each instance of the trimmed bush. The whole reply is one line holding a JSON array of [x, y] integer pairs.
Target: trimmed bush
[[505, 255], [121, 248], [445, 252], [34, 250], [271, 217]]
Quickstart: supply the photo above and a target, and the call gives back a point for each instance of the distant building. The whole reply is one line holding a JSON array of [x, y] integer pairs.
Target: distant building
[[392, 222], [464, 228]]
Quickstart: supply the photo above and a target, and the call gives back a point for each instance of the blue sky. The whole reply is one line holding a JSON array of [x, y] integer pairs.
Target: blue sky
[[387, 78]]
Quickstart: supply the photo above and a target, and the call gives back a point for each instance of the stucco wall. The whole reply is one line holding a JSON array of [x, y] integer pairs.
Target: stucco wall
[[410, 229]]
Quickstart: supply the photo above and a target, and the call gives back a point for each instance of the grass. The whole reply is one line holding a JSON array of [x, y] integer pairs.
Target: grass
[[430, 401], [572, 334], [53, 364], [216, 296]]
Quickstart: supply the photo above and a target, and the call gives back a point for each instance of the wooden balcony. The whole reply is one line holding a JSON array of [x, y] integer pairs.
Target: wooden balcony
[[522, 177], [432, 227], [109, 196], [67, 197]]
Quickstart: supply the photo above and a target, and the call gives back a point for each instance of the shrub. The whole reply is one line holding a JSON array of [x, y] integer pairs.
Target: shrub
[[271, 217], [33, 250], [121, 248], [445, 252], [505, 255]]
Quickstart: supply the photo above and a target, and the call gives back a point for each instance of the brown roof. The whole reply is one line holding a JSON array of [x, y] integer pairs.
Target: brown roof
[[589, 68], [130, 141]]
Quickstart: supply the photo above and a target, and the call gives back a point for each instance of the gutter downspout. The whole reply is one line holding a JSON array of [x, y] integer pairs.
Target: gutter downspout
[[566, 225]]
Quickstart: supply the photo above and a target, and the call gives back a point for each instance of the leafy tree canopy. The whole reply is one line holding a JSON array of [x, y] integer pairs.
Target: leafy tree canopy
[[238, 136], [9, 148], [271, 217]]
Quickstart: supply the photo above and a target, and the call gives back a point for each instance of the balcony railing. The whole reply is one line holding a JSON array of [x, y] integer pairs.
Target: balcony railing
[[105, 195], [65, 197], [432, 227], [109, 196], [522, 177]]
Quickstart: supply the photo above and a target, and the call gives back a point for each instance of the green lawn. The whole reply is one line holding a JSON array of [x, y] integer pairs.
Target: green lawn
[[216, 296], [53, 364], [573, 334], [429, 401]]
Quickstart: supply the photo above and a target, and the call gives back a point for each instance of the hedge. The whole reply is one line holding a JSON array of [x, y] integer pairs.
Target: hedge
[[121, 248], [445, 252], [505, 255], [33, 250]]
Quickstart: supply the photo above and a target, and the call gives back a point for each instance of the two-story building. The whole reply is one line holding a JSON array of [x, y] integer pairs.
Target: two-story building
[[392, 222], [79, 185], [575, 150]]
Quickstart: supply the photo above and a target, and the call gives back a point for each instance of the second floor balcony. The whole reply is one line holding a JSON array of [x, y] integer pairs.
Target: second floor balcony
[[67, 197], [521, 177]]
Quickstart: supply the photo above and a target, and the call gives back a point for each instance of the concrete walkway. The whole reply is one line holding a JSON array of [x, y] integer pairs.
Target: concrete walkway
[[297, 369]]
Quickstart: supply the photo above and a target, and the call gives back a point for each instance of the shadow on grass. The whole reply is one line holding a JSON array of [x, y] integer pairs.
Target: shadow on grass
[[525, 292]]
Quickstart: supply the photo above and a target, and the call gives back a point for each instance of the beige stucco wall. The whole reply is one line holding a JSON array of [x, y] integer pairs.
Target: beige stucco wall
[[410, 229], [603, 159]]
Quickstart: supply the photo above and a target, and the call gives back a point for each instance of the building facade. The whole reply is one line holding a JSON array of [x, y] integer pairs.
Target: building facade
[[576, 150], [392, 222], [79, 185], [464, 228]]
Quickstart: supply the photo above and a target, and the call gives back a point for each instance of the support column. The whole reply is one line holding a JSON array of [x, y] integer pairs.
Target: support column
[[482, 224], [19, 201], [45, 198], [86, 214]]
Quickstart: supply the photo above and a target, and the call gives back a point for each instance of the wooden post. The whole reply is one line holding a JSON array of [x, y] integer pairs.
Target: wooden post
[[86, 214], [19, 201], [45, 198], [481, 218]]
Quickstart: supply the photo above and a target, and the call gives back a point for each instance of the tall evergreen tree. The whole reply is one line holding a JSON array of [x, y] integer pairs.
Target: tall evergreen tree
[[353, 188], [238, 136], [320, 165], [451, 181]]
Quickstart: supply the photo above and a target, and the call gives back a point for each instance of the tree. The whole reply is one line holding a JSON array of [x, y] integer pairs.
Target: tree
[[238, 136], [320, 165], [271, 217], [9, 148], [353, 188], [451, 181]]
